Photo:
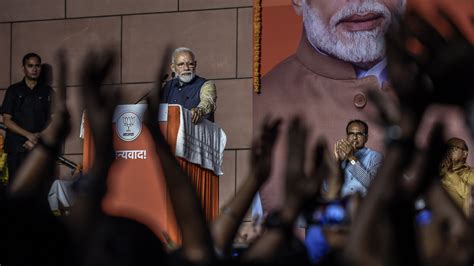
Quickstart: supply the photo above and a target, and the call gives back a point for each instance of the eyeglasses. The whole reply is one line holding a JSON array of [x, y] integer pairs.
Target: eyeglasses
[[356, 134], [187, 64]]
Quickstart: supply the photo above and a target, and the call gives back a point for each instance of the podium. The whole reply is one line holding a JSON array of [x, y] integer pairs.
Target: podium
[[136, 185]]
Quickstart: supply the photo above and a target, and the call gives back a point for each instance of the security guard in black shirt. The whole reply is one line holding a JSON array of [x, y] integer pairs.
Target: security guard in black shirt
[[26, 112]]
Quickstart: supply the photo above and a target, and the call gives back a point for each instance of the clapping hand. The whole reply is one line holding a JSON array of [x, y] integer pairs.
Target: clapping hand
[[262, 149], [300, 187], [343, 149], [60, 126], [446, 16], [99, 102]]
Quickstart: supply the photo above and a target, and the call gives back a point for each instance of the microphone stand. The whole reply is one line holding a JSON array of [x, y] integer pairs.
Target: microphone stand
[[162, 80]]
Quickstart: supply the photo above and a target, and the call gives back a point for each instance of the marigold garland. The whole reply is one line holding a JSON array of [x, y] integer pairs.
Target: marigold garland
[[257, 47]]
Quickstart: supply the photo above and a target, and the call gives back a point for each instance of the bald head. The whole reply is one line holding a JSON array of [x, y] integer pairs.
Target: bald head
[[457, 150], [457, 142]]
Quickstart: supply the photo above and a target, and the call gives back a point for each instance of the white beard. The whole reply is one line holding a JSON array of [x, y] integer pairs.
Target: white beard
[[354, 47], [186, 77]]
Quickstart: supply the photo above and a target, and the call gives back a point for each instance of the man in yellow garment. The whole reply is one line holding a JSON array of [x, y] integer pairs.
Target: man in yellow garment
[[457, 176]]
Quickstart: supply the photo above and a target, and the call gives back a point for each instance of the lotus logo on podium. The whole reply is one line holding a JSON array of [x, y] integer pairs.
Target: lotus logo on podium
[[128, 126]]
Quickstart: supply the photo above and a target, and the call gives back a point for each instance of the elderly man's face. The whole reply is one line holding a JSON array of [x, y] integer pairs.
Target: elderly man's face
[[184, 66], [457, 151], [457, 154], [351, 30]]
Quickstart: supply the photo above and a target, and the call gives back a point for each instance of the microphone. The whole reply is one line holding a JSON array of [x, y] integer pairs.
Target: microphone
[[67, 162], [165, 77]]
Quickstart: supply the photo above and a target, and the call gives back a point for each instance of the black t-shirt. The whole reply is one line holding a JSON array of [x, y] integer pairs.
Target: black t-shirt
[[29, 108]]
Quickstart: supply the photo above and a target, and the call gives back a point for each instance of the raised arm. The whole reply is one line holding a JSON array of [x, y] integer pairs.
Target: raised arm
[[446, 16], [300, 189], [196, 239], [100, 104], [226, 225]]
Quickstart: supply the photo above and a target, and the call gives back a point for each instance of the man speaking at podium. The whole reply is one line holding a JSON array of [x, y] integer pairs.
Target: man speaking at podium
[[189, 90], [200, 148]]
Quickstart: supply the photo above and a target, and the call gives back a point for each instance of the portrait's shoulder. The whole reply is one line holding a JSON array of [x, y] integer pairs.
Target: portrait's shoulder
[[282, 75], [283, 67]]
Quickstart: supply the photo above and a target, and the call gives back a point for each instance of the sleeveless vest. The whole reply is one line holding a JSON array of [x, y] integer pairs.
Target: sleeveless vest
[[187, 95]]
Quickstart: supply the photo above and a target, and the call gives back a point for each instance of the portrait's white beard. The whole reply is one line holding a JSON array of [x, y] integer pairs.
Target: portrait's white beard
[[186, 77], [357, 47]]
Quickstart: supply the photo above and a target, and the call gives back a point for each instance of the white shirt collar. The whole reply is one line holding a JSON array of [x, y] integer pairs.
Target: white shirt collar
[[379, 71]]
